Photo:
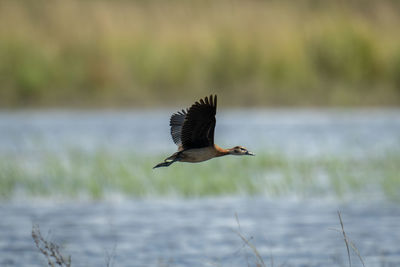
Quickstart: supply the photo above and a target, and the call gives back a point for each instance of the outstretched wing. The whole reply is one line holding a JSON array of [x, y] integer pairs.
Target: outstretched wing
[[199, 123], [176, 123]]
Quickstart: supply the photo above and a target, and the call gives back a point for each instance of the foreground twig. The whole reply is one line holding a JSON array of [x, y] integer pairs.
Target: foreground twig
[[349, 243], [109, 257], [49, 249], [260, 261], [345, 238]]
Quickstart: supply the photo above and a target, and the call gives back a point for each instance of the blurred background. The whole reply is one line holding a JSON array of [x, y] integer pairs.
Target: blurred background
[[151, 53], [312, 87]]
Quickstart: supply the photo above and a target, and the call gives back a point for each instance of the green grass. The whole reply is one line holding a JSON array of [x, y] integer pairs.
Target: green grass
[[101, 174], [138, 53]]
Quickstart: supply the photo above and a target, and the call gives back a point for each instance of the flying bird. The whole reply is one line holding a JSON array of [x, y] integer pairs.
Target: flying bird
[[192, 130]]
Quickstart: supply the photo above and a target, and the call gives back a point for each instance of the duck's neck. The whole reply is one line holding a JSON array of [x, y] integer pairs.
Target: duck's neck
[[221, 151]]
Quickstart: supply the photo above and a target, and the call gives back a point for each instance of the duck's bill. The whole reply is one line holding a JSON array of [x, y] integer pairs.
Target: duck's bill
[[250, 153]]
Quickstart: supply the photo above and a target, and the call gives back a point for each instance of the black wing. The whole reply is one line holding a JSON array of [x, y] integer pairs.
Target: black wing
[[176, 123], [199, 123]]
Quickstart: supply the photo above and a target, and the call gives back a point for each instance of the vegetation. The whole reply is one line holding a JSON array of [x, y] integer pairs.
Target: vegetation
[[104, 174], [136, 53], [49, 249]]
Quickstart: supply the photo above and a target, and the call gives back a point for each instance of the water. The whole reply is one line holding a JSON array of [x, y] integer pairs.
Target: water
[[201, 231], [298, 132]]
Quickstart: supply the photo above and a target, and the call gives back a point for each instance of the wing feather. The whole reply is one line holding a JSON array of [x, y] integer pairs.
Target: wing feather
[[176, 123], [199, 124]]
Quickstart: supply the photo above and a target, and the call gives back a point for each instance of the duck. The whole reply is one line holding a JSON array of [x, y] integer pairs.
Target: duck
[[192, 130]]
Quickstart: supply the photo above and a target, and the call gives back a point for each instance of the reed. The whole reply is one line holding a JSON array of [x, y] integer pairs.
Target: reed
[[103, 173]]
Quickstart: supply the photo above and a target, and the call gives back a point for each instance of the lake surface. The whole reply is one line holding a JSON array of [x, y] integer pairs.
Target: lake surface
[[298, 132], [175, 231], [202, 232]]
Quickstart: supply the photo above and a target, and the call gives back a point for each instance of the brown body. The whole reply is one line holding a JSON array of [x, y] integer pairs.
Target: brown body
[[192, 130], [202, 154]]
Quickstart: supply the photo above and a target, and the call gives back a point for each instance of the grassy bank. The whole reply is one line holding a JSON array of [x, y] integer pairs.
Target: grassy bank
[[137, 53], [103, 174]]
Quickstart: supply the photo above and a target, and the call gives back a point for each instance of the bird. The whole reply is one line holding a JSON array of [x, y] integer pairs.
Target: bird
[[192, 130]]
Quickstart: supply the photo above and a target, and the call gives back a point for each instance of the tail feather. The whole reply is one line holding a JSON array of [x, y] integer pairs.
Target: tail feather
[[163, 164], [168, 161]]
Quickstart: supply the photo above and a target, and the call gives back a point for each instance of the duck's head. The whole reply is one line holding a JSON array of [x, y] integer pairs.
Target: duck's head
[[240, 151]]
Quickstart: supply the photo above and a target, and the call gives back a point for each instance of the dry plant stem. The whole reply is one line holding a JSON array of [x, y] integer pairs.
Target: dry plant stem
[[345, 238], [109, 257], [246, 241], [49, 249], [349, 242], [353, 246]]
